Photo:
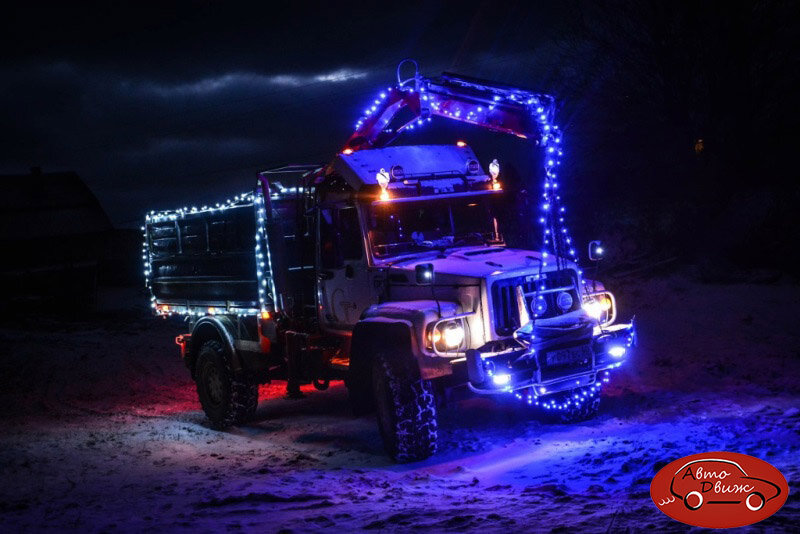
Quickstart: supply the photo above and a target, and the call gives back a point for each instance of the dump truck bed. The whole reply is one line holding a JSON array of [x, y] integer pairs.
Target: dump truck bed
[[204, 259], [246, 256]]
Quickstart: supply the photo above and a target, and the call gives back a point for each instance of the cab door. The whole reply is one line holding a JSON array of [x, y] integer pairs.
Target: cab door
[[344, 284]]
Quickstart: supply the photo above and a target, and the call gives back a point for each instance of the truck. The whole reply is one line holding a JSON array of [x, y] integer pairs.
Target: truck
[[387, 268]]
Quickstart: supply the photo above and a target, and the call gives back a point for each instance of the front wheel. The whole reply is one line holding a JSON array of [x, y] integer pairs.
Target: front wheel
[[225, 399], [406, 410], [754, 505], [575, 413]]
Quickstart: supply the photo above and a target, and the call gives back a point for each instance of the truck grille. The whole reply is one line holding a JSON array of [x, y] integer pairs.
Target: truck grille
[[504, 297]]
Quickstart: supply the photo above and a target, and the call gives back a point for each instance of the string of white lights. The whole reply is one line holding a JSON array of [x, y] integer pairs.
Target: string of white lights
[[156, 217]]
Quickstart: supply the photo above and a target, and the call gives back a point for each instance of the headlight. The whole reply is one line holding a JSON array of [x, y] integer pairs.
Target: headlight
[[453, 335], [600, 306], [448, 335], [564, 301]]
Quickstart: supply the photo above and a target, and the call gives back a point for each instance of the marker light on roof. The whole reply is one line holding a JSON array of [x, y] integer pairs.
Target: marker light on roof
[[461, 144], [383, 178], [347, 151], [494, 169], [494, 172]]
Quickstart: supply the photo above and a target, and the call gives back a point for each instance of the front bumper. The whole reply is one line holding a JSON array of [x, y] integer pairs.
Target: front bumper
[[547, 368]]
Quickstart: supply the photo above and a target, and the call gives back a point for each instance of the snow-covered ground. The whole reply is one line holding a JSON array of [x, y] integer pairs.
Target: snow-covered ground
[[101, 431]]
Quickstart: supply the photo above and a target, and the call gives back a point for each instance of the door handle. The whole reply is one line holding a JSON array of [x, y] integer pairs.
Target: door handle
[[349, 272]]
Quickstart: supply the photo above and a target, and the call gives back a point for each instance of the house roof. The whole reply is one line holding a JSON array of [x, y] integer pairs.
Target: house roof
[[48, 205]]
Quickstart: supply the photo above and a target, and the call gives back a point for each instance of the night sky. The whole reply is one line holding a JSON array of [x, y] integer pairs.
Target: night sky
[[157, 106]]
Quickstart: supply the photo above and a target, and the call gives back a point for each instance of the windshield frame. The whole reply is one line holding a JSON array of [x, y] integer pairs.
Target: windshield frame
[[425, 250]]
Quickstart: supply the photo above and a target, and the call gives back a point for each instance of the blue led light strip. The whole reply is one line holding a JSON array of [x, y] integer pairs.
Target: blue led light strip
[[557, 244]]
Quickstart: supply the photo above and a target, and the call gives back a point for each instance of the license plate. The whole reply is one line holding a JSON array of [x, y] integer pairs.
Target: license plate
[[572, 356]]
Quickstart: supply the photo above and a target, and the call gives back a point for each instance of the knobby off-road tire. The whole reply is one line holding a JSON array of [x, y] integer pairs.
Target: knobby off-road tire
[[226, 400], [587, 410], [406, 409]]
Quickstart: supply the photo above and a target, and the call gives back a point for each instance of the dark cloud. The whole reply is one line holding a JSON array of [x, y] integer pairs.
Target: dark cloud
[[152, 104], [158, 105], [122, 132]]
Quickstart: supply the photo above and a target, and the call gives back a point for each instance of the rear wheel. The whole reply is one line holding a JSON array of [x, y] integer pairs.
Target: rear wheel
[[755, 501], [693, 500], [225, 399], [406, 409]]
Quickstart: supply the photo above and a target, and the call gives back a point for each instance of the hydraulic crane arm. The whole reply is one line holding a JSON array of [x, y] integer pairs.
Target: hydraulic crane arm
[[416, 100]]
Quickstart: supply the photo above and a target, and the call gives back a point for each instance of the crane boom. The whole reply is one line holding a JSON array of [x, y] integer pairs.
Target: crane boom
[[498, 107], [494, 106]]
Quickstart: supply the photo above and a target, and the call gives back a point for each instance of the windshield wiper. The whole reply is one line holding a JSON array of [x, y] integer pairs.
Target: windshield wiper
[[471, 239], [412, 256]]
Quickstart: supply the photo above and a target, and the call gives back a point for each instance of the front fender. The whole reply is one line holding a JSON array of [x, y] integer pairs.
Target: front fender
[[373, 333], [416, 314]]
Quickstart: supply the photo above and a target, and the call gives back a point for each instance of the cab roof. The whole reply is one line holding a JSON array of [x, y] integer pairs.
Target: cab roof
[[429, 162]]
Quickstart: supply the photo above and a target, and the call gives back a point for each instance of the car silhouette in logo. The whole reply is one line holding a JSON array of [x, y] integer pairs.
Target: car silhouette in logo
[[715, 481]]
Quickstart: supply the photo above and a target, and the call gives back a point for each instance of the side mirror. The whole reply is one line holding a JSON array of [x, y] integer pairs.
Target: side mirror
[[424, 274], [596, 251]]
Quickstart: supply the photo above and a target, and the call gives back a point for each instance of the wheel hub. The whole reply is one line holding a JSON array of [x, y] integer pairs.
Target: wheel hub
[[214, 385]]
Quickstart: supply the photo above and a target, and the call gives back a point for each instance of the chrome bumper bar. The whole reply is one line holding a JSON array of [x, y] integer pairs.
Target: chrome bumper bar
[[607, 348]]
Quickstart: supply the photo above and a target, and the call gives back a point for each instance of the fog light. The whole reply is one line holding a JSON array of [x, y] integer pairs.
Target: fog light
[[564, 301], [501, 379], [617, 351]]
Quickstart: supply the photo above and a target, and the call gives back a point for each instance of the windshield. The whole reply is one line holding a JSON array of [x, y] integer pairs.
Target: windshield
[[397, 228]]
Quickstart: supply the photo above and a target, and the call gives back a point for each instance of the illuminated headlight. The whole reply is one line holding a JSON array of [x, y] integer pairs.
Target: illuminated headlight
[[453, 335], [596, 308], [600, 307], [448, 335]]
